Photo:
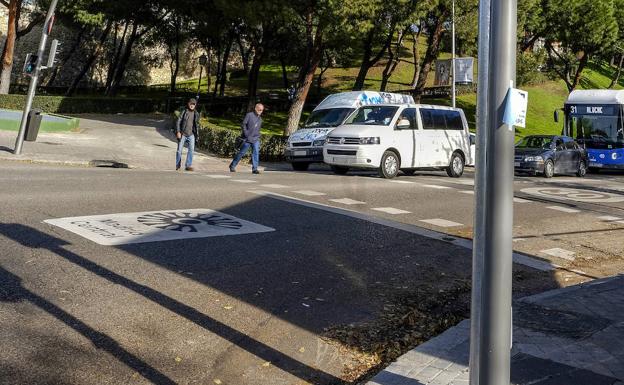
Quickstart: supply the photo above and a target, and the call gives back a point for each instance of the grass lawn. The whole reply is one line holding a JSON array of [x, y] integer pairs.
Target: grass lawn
[[10, 121]]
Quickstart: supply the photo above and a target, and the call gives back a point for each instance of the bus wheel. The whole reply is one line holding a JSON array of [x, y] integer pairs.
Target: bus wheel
[[582, 169], [456, 166], [549, 169], [390, 163]]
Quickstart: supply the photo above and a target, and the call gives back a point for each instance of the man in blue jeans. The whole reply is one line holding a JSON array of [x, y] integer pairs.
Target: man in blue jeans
[[251, 135], [186, 132]]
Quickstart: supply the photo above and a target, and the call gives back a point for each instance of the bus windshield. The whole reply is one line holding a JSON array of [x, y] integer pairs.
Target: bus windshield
[[597, 131], [332, 117]]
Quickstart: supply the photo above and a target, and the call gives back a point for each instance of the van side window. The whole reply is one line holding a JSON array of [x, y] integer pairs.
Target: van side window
[[453, 120], [409, 114], [434, 119]]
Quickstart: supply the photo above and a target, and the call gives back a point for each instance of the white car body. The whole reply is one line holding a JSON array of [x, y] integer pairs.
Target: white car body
[[434, 135], [305, 145]]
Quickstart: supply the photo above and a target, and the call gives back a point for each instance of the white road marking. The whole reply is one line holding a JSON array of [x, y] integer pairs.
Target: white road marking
[[347, 201], [156, 226], [244, 181], [563, 209], [273, 186], [469, 192], [560, 253], [610, 218], [219, 176], [391, 210], [441, 222], [435, 186], [519, 258], [578, 195], [520, 200], [309, 193], [402, 182]]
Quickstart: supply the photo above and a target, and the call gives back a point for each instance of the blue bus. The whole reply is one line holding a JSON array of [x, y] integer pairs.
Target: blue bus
[[595, 118]]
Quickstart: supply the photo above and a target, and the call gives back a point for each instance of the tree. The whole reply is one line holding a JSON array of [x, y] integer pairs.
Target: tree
[[586, 28]]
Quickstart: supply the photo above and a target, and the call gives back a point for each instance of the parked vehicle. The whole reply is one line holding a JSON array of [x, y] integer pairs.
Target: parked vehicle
[[305, 146], [595, 119], [549, 155], [393, 137]]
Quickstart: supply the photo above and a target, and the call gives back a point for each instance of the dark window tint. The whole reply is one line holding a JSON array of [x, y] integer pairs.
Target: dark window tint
[[441, 119], [569, 144]]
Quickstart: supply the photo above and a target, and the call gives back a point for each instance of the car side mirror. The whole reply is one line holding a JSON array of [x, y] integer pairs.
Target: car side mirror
[[556, 116], [403, 124], [473, 140]]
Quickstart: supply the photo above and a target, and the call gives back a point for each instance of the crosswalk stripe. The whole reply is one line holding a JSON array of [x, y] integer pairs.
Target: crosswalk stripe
[[441, 222], [563, 209], [347, 201], [391, 210]]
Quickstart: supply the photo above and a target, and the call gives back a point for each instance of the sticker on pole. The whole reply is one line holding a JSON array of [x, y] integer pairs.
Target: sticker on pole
[[516, 107], [157, 226]]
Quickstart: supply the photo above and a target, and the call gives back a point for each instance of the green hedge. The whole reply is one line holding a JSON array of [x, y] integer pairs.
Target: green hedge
[[221, 142], [81, 105]]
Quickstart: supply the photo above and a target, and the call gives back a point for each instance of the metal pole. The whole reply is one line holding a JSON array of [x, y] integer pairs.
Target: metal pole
[[495, 310], [35, 78], [480, 186], [453, 56]]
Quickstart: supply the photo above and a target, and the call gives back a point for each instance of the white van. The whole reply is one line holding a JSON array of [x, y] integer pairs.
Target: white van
[[393, 137], [305, 145]]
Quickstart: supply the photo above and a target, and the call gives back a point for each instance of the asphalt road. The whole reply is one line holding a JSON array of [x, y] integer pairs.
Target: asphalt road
[[252, 308]]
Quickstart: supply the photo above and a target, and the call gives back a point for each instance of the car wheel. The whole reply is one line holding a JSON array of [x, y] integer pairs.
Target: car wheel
[[340, 170], [390, 164], [409, 172], [549, 169], [456, 166], [300, 166], [582, 169]]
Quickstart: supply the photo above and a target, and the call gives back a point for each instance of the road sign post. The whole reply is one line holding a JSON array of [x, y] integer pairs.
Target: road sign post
[[47, 28], [491, 324]]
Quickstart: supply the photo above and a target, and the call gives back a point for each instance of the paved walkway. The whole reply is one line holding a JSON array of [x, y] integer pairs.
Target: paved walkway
[[137, 141], [569, 336]]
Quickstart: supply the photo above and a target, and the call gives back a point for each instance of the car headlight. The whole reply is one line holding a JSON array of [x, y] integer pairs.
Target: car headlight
[[533, 159], [318, 142], [371, 140]]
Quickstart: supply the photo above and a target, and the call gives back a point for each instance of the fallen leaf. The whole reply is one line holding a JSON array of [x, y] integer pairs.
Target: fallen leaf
[[178, 359], [217, 381], [228, 307], [302, 349], [266, 364]]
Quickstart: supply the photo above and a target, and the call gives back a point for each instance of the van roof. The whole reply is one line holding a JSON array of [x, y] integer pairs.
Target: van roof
[[596, 97], [414, 105], [354, 99]]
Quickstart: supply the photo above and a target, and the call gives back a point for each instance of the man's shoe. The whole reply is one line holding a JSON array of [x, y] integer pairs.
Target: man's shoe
[[177, 168], [190, 169], [255, 172], [232, 169]]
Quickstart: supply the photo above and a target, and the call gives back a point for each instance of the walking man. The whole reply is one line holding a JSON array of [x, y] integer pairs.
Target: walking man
[[251, 135], [186, 132]]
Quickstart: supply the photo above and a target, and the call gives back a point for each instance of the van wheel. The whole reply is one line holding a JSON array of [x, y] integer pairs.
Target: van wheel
[[300, 166], [340, 170], [390, 163], [582, 169], [455, 168], [549, 169]]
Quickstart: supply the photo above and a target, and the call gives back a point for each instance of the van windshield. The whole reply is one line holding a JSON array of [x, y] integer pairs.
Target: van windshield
[[332, 117], [374, 115]]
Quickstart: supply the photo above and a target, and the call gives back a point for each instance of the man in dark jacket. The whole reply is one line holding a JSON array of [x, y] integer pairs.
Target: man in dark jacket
[[186, 132], [251, 135]]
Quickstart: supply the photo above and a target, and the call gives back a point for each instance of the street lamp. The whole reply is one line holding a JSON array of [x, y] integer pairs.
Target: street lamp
[[203, 59], [453, 55]]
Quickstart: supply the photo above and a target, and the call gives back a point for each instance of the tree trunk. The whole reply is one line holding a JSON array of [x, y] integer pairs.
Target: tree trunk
[[314, 59], [244, 53], [616, 77], [218, 74], [9, 49], [69, 55], [209, 71], [123, 61], [579, 71], [367, 62], [175, 62], [393, 60], [284, 73], [113, 65], [433, 50], [254, 73], [416, 56], [89, 63], [226, 58]]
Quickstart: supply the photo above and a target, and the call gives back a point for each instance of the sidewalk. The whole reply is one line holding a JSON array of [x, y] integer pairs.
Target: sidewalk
[[569, 336], [133, 141]]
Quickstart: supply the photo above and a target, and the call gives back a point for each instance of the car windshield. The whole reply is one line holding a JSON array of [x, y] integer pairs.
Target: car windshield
[[374, 115], [543, 142], [332, 117]]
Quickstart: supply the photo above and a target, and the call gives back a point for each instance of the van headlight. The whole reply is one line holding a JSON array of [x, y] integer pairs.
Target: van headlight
[[371, 140], [318, 142], [533, 159]]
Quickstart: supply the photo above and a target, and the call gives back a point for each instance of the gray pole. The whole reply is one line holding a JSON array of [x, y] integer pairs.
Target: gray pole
[[34, 79], [453, 56], [495, 310], [480, 185]]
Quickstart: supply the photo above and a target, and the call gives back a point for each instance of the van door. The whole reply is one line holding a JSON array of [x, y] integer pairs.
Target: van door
[[444, 132], [406, 139]]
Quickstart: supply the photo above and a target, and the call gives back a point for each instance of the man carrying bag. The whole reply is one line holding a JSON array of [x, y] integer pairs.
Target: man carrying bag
[[187, 129]]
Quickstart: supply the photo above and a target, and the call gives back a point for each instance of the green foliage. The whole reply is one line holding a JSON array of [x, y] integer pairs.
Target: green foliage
[[81, 105], [528, 65]]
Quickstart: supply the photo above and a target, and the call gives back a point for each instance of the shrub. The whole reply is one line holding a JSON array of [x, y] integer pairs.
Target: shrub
[[81, 105], [529, 66]]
